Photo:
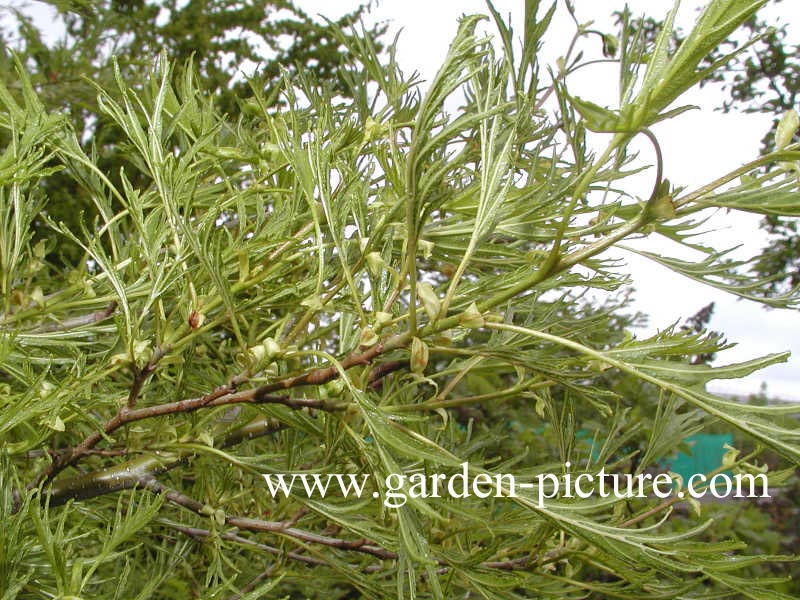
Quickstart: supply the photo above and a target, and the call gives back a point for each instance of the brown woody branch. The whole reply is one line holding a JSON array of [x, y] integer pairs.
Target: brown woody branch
[[77, 321], [141, 376], [362, 545], [382, 370], [72, 455], [196, 532], [288, 529], [225, 394], [131, 473]]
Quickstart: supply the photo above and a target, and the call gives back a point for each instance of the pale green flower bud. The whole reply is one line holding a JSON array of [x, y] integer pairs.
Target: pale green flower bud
[[787, 127], [430, 301], [419, 355]]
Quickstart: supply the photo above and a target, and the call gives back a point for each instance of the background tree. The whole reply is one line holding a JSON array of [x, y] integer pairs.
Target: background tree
[[372, 286], [223, 39]]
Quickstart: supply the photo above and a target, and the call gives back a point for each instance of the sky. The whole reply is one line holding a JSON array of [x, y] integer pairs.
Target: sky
[[697, 146]]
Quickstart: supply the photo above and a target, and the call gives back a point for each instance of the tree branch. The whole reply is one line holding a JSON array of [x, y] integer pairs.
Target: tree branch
[[131, 473], [78, 321], [224, 394], [362, 545]]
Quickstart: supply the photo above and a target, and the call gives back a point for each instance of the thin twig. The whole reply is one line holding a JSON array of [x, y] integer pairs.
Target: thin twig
[[72, 455], [362, 545], [382, 370], [196, 532], [659, 164], [141, 376], [129, 474], [224, 394], [74, 322]]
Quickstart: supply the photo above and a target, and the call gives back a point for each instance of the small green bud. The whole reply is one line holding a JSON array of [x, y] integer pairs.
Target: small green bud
[[219, 517], [610, 45], [430, 301], [748, 180], [142, 352], [313, 303], [471, 318], [382, 319], [368, 337], [45, 388], [256, 357], [272, 347], [730, 457], [334, 388], [270, 151], [598, 365], [257, 354], [786, 129], [37, 296], [118, 359], [419, 355], [40, 249], [54, 422], [375, 263], [372, 129], [663, 208]]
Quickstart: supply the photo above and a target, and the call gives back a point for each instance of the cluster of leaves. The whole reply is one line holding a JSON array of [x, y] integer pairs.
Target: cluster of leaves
[[220, 40], [368, 286], [764, 78], [767, 80]]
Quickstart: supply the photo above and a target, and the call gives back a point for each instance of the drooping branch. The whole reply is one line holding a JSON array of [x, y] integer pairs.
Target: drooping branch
[[131, 473], [77, 321], [362, 545], [225, 394], [288, 529], [196, 532], [72, 455]]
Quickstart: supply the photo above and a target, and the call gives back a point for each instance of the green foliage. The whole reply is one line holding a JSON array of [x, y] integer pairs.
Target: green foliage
[[764, 77], [363, 283], [218, 39]]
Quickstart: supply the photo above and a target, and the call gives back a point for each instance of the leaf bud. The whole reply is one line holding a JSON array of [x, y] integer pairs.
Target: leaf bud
[[382, 319], [786, 129], [663, 208], [419, 355], [196, 319], [471, 318], [430, 301], [272, 347], [368, 337], [375, 263], [610, 45]]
